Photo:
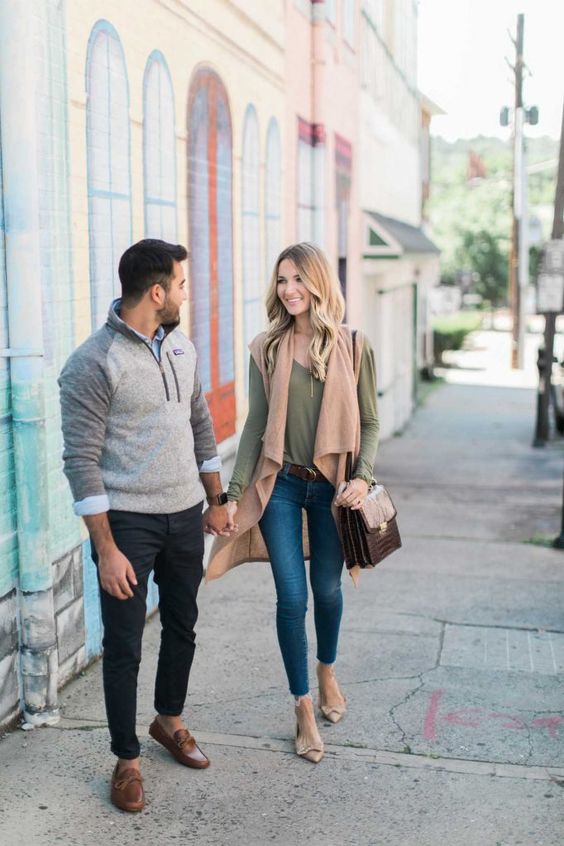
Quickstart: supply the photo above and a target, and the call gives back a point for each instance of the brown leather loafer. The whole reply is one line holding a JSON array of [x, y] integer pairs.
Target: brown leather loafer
[[182, 746], [127, 790]]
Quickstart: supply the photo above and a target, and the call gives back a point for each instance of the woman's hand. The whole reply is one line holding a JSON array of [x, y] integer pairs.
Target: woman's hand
[[231, 507], [353, 494]]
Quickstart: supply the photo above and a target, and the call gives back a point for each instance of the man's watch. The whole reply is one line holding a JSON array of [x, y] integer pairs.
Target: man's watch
[[218, 499]]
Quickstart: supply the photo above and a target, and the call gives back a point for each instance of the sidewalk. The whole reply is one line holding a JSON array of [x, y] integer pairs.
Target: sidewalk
[[452, 658]]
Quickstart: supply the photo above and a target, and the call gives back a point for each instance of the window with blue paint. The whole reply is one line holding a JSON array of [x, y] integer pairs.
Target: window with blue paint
[[108, 156], [159, 150], [253, 280], [272, 198]]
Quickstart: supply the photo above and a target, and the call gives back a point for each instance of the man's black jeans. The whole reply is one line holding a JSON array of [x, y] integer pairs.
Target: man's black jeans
[[172, 545]]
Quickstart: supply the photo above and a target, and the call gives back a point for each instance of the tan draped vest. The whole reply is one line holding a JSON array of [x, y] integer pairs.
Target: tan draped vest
[[338, 432]]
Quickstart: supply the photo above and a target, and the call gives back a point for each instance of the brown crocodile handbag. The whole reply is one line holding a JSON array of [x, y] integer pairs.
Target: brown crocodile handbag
[[370, 533]]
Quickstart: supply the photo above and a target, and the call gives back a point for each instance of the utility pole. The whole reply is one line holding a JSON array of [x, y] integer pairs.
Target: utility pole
[[519, 256], [516, 289]]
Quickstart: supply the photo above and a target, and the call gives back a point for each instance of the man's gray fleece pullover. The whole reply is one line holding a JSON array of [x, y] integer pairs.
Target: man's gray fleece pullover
[[135, 429]]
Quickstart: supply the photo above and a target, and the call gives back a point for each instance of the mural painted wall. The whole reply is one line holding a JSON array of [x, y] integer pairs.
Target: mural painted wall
[[136, 137]]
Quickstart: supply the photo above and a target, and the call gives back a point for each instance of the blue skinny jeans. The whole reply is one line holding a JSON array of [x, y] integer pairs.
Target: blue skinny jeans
[[281, 527]]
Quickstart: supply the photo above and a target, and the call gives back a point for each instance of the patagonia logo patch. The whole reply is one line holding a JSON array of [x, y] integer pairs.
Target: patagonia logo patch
[[178, 351]]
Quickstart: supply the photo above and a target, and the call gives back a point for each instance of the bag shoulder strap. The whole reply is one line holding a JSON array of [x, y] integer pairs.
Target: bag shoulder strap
[[357, 339], [348, 466]]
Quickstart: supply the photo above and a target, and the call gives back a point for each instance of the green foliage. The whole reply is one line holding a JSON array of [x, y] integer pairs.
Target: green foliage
[[540, 540], [486, 255], [471, 221], [450, 331], [535, 255]]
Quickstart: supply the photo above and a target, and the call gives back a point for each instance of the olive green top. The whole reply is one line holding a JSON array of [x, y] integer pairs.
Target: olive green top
[[304, 403]]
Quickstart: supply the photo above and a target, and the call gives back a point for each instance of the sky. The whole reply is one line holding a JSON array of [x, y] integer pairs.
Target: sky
[[463, 46]]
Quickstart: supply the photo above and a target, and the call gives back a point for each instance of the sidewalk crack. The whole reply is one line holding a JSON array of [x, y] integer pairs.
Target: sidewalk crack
[[404, 701]]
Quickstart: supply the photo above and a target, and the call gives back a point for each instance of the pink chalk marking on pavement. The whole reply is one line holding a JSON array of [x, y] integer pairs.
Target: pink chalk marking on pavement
[[469, 717], [430, 724], [551, 723], [475, 717], [511, 722]]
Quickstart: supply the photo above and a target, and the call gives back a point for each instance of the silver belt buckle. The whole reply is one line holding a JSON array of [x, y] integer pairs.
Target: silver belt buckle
[[313, 472]]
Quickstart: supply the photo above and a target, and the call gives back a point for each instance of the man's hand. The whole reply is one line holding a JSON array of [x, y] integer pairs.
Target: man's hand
[[217, 520], [115, 570], [116, 574]]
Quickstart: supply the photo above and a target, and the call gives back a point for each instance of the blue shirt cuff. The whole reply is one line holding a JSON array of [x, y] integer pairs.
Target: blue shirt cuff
[[92, 505], [211, 465]]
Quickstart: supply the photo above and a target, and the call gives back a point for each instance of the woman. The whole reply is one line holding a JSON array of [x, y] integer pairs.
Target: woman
[[306, 411]]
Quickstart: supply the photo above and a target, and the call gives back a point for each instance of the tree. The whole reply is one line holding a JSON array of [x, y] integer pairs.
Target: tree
[[485, 255], [471, 221]]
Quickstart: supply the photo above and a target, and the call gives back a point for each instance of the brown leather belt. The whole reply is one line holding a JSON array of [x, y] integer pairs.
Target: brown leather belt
[[308, 474]]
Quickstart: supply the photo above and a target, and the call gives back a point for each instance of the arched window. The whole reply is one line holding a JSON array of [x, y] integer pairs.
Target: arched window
[[253, 283], [211, 244], [109, 177], [272, 198], [159, 150]]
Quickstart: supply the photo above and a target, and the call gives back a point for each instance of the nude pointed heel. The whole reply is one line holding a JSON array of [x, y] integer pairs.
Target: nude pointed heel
[[308, 746], [332, 711]]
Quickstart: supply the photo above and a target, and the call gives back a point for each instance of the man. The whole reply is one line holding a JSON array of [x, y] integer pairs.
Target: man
[[138, 439]]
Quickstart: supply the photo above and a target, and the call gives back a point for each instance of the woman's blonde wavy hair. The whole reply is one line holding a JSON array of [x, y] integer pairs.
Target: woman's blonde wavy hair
[[326, 311]]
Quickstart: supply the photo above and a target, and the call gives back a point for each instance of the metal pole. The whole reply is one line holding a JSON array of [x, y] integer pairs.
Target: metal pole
[[518, 176], [545, 366], [523, 266], [558, 232]]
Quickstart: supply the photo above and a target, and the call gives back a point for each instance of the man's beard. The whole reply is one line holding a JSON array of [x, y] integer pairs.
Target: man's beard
[[169, 315]]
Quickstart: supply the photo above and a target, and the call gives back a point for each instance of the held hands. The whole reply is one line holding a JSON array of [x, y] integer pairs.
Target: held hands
[[352, 494], [116, 574], [220, 519]]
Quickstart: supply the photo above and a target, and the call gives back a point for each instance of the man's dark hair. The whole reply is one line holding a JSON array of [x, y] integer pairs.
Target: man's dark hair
[[147, 263]]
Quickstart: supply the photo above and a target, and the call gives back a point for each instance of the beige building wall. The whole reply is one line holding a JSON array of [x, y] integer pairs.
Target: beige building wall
[[244, 43]]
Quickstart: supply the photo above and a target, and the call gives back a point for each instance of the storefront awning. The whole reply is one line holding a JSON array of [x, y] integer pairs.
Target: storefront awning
[[387, 237]]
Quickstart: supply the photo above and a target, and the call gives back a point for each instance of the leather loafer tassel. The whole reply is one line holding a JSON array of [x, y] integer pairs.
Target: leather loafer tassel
[[181, 746]]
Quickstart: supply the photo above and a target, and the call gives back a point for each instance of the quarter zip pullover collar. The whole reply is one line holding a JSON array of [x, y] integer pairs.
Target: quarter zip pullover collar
[[115, 321]]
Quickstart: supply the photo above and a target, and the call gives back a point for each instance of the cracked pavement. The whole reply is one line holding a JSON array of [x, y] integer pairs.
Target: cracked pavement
[[452, 658]]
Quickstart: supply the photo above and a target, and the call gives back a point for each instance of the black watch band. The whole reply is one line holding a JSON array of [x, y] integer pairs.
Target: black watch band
[[218, 499]]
